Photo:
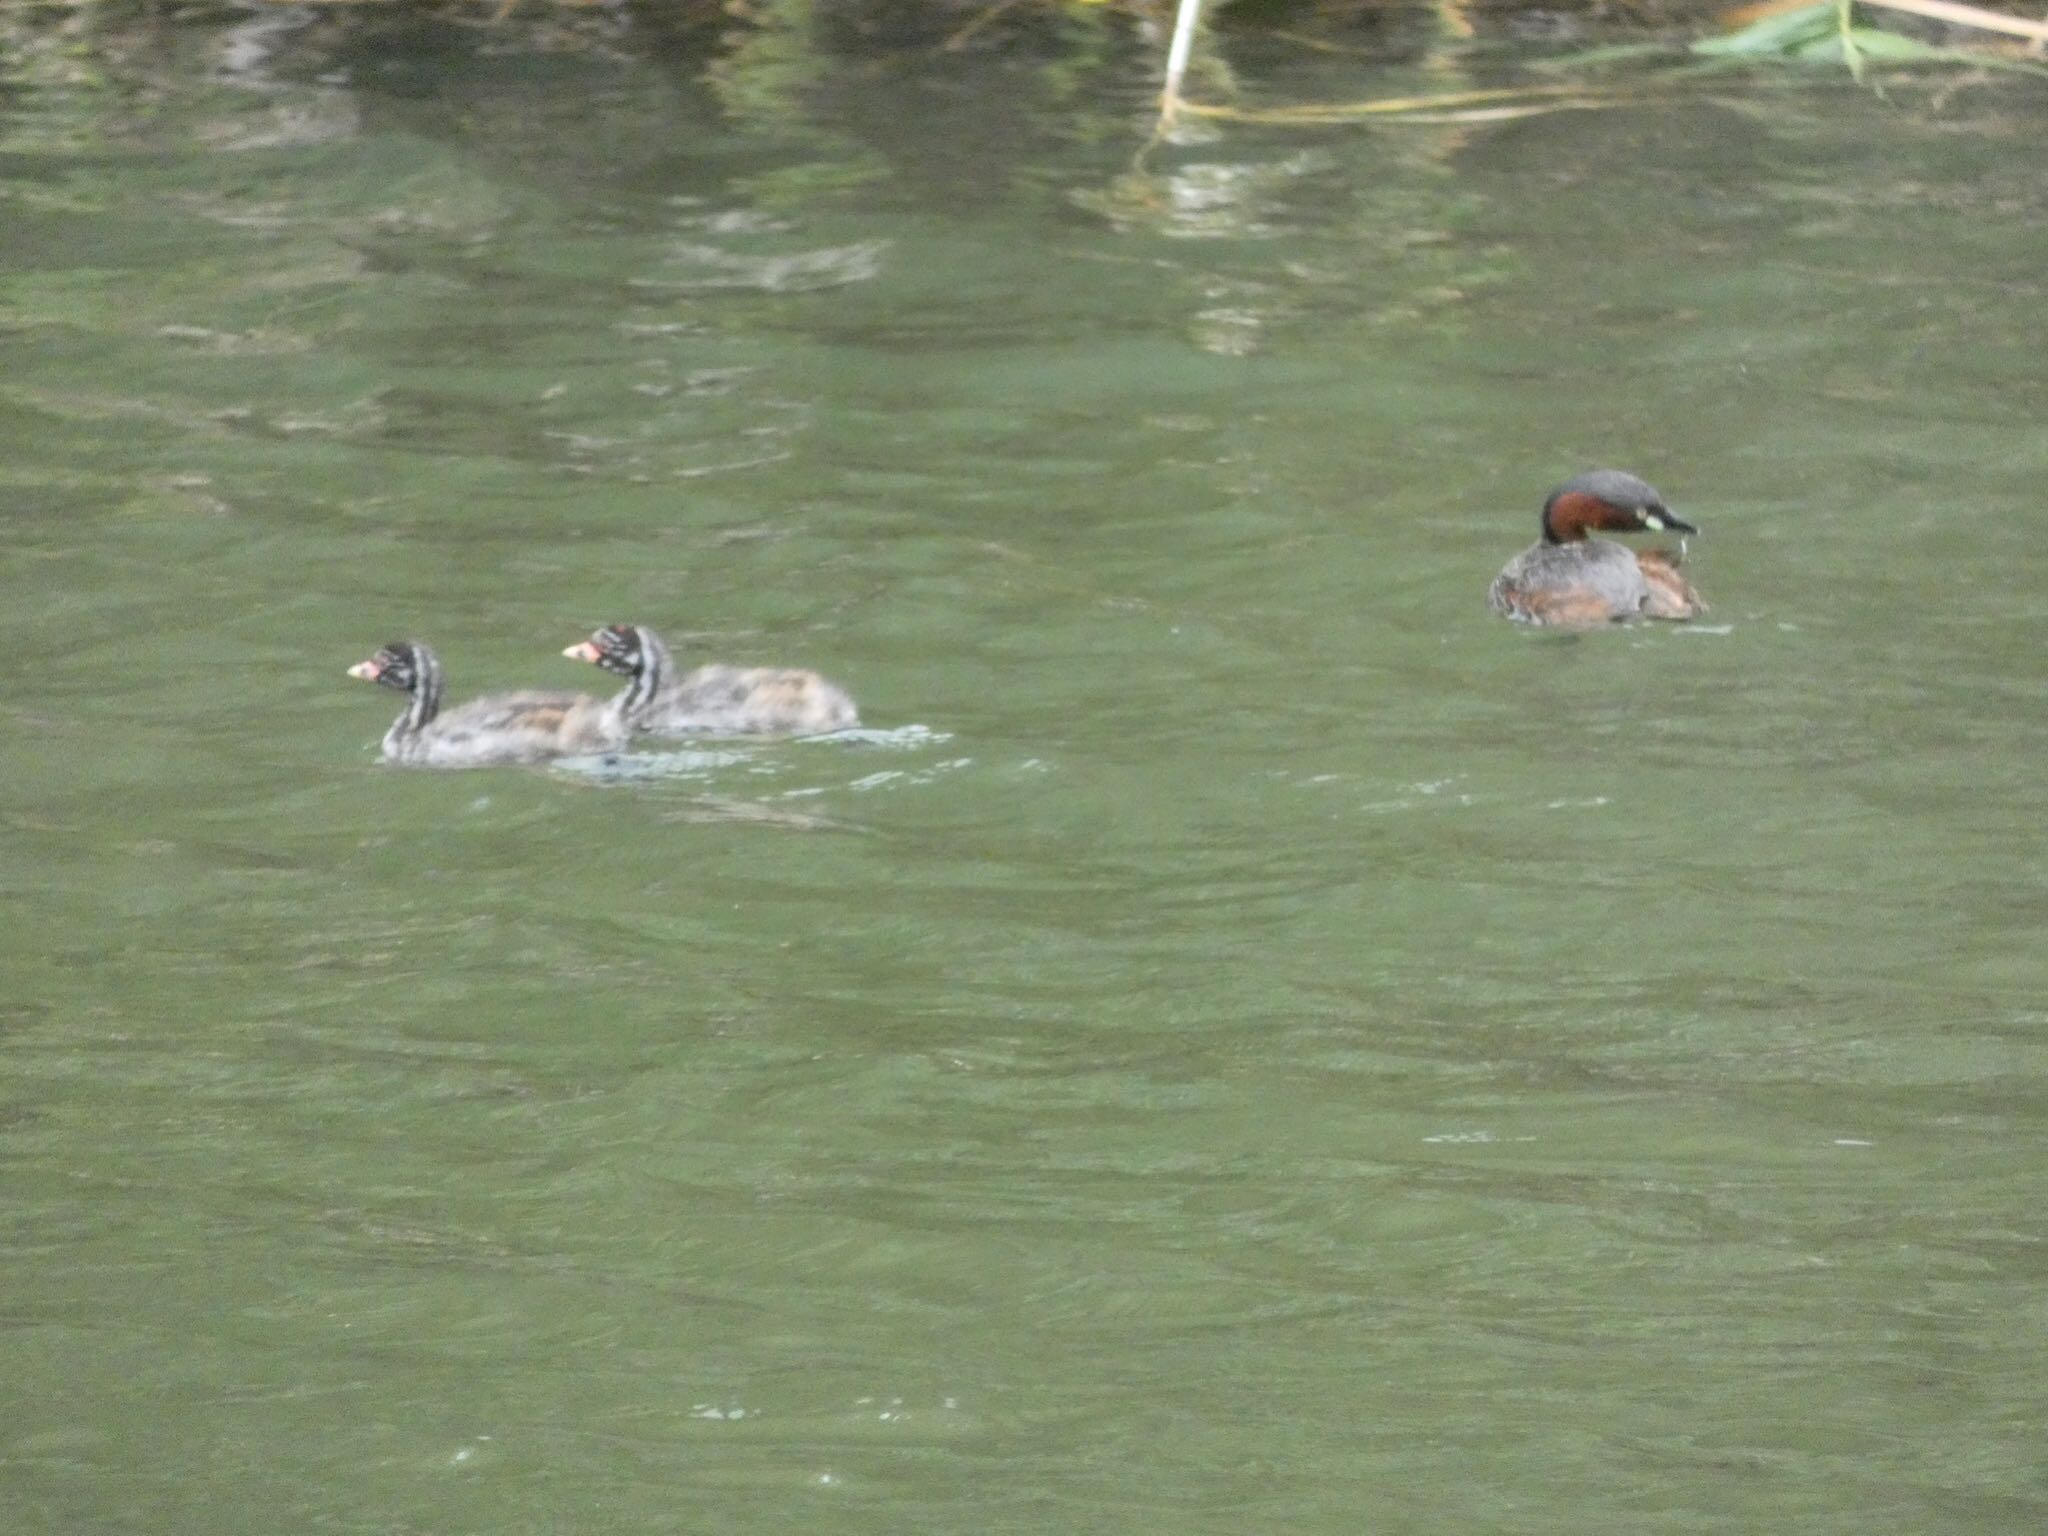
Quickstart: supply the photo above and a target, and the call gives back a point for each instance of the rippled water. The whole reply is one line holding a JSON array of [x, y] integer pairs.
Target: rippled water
[[1246, 1040]]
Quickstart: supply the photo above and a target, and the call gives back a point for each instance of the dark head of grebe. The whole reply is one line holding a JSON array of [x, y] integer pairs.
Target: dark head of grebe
[[636, 654], [408, 666], [616, 648], [1609, 501]]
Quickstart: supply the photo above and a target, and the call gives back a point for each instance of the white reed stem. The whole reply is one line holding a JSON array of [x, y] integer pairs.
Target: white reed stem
[[1177, 52]]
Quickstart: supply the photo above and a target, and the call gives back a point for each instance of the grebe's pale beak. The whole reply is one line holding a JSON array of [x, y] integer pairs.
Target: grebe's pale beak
[[1663, 520]]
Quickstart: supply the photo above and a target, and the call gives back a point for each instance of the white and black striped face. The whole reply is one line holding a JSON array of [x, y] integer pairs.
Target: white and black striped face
[[396, 665], [616, 648]]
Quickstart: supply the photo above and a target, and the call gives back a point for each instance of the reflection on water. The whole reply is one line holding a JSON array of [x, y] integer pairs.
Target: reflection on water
[[760, 756], [697, 267], [1270, 1034], [1211, 199]]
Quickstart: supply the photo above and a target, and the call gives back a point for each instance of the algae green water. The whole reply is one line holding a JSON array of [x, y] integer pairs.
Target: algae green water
[[1249, 1041]]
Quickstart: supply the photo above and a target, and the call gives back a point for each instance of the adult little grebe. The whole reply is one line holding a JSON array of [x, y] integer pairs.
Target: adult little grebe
[[712, 700], [1571, 578], [523, 727]]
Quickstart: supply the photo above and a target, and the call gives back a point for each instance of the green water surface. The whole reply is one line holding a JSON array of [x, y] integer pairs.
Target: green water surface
[[1251, 1042]]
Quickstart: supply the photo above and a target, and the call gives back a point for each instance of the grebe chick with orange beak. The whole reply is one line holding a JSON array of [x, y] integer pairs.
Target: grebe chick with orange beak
[[525, 727], [712, 700]]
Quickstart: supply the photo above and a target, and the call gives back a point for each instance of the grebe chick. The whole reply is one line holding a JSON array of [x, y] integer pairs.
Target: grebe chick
[[712, 700], [1568, 577], [524, 727]]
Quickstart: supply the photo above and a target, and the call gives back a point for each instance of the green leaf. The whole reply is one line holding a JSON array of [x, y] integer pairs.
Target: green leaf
[[1784, 33]]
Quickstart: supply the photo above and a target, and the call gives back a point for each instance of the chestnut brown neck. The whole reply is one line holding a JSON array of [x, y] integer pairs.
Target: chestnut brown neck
[[1574, 515]]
